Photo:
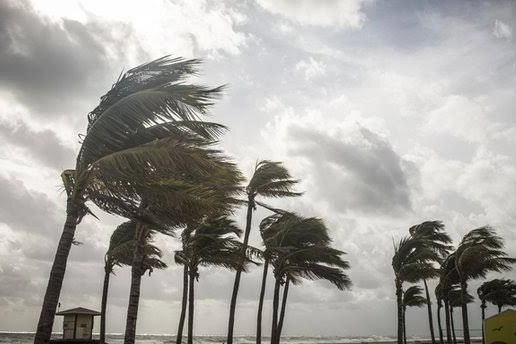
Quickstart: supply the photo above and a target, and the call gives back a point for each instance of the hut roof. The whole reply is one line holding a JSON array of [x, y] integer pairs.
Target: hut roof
[[78, 310]]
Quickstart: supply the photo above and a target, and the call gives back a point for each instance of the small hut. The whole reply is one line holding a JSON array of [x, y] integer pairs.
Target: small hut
[[501, 328], [78, 325]]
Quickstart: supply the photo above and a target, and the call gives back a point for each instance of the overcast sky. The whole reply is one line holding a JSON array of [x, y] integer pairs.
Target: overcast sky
[[390, 112]]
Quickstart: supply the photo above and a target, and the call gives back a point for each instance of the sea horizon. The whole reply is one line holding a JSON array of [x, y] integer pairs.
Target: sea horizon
[[25, 337]]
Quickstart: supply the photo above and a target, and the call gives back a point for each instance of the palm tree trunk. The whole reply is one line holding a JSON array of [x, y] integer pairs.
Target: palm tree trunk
[[275, 305], [399, 301], [430, 317], [184, 302], [483, 308], [448, 325], [404, 325], [55, 281], [453, 326], [283, 307], [439, 306], [236, 284], [191, 306], [134, 294], [260, 304], [103, 306], [465, 323]]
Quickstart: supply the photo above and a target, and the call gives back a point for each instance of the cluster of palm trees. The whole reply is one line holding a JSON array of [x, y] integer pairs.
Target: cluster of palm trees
[[149, 157], [427, 253]]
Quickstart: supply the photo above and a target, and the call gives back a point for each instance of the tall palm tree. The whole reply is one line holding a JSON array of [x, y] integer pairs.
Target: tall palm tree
[[412, 297], [270, 179], [212, 242], [120, 252], [299, 249], [455, 299], [412, 261], [433, 231], [448, 280], [128, 128], [480, 252]]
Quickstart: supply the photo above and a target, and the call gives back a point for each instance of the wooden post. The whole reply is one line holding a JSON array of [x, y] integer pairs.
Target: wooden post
[[91, 329], [75, 327]]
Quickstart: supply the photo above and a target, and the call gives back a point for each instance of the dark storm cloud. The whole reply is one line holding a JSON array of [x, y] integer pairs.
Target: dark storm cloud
[[43, 146], [47, 65], [26, 210], [367, 176]]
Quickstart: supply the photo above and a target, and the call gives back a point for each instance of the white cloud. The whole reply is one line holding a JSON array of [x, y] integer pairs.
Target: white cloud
[[461, 117], [311, 68], [502, 30], [341, 13], [161, 27]]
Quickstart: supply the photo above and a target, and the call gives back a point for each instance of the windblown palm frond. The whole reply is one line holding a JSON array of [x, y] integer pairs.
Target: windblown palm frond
[[455, 297], [480, 252], [271, 179], [413, 297], [433, 233], [212, 242], [298, 248], [146, 127], [499, 292], [123, 243], [196, 181]]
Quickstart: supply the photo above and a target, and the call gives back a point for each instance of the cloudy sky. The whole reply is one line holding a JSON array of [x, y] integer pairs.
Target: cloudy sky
[[390, 112]]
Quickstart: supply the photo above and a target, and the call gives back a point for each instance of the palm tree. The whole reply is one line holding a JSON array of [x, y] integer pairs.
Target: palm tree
[[433, 231], [213, 242], [128, 128], [480, 252], [499, 292], [412, 261], [270, 179], [448, 279], [455, 299], [412, 297], [298, 248], [120, 252]]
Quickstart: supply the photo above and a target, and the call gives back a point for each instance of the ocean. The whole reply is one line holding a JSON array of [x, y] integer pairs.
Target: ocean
[[27, 338]]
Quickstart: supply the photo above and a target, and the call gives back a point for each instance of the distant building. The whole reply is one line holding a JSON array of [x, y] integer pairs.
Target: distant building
[[77, 325], [501, 328]]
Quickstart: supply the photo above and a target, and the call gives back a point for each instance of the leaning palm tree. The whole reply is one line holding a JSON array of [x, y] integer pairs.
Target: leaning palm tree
[[412, 297], [120, 252], [212, 242], [270, 179], [128, 128], [480, 252], [448, 280], [455, 299], [298, 248], [439, 240], [412, 261]]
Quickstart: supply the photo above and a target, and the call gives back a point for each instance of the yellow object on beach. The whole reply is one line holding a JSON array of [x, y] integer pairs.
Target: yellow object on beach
[[501, 328]]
